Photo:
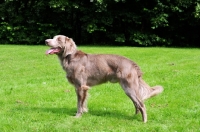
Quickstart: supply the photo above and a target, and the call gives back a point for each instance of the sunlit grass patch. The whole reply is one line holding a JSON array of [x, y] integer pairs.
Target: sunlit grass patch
[[35, 95]]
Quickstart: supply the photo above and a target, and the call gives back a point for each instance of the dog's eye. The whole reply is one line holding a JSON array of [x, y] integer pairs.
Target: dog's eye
[[59, 39]]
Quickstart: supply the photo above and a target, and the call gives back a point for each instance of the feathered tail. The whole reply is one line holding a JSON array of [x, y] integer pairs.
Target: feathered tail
[[147, 92]]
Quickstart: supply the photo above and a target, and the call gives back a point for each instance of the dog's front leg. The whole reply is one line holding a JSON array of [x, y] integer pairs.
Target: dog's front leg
[[81, 93], [85, 94]]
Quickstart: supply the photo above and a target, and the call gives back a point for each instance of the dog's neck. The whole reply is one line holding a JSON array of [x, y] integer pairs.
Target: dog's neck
[[78, 54], [63, 56]]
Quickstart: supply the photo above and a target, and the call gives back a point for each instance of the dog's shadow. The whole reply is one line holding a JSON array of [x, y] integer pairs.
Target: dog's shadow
[[51, 110], [67, 111], [93, 112], [114, 114]]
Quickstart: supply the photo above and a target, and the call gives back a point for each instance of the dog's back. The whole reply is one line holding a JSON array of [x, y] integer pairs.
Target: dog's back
[[100, 68]]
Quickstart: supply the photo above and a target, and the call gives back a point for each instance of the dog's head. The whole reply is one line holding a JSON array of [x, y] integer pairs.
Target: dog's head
[[60, 45]]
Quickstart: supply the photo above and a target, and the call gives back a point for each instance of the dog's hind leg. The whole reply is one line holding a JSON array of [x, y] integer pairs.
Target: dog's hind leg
[[131, 90], [136, 109]]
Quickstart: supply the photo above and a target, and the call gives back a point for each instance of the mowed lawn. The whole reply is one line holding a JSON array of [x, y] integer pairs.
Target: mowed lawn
[[36, 97]]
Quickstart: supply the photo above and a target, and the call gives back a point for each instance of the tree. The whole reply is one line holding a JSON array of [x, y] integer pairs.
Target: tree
[[118, 22]]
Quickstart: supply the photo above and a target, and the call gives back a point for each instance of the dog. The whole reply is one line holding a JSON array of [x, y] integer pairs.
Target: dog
[[86, 70]]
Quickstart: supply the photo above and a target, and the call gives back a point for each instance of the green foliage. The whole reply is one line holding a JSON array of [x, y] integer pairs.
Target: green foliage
[[23, 34], [197, 10], [149, 39], [130, 22]]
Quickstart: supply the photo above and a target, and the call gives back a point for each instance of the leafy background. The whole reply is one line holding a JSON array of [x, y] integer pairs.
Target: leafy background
[[116, 22]]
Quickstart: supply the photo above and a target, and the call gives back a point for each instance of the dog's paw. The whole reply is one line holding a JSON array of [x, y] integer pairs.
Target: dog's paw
[[78, 115], [85, 110]]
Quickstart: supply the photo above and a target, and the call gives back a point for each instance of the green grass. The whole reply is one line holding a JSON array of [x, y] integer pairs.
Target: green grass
[[35, 96]]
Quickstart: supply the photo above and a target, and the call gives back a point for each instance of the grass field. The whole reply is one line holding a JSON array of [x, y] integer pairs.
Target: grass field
[[35, 96]]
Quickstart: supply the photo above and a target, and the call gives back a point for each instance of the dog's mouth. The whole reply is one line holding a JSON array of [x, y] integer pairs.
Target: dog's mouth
[[53, 51]]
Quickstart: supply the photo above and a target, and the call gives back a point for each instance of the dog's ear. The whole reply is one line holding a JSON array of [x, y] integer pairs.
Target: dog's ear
[[66, 39], [70, 46]]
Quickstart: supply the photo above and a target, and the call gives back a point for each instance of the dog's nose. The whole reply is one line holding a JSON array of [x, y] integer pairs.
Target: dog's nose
[[46, 41]]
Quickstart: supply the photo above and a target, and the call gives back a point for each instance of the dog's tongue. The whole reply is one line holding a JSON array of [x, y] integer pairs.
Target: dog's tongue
[[52, 51]]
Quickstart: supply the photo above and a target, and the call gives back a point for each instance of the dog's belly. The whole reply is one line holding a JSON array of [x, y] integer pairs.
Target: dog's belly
[[95, 80], [113, 80], [91, 81]]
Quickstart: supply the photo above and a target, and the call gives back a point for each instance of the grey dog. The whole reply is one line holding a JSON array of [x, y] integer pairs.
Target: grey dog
[[86, 70]]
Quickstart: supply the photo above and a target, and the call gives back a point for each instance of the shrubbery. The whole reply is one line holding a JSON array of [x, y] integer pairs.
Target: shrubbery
[[119, 22]]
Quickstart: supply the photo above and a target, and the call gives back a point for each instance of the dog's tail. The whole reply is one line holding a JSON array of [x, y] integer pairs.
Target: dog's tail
[[147, 92]]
